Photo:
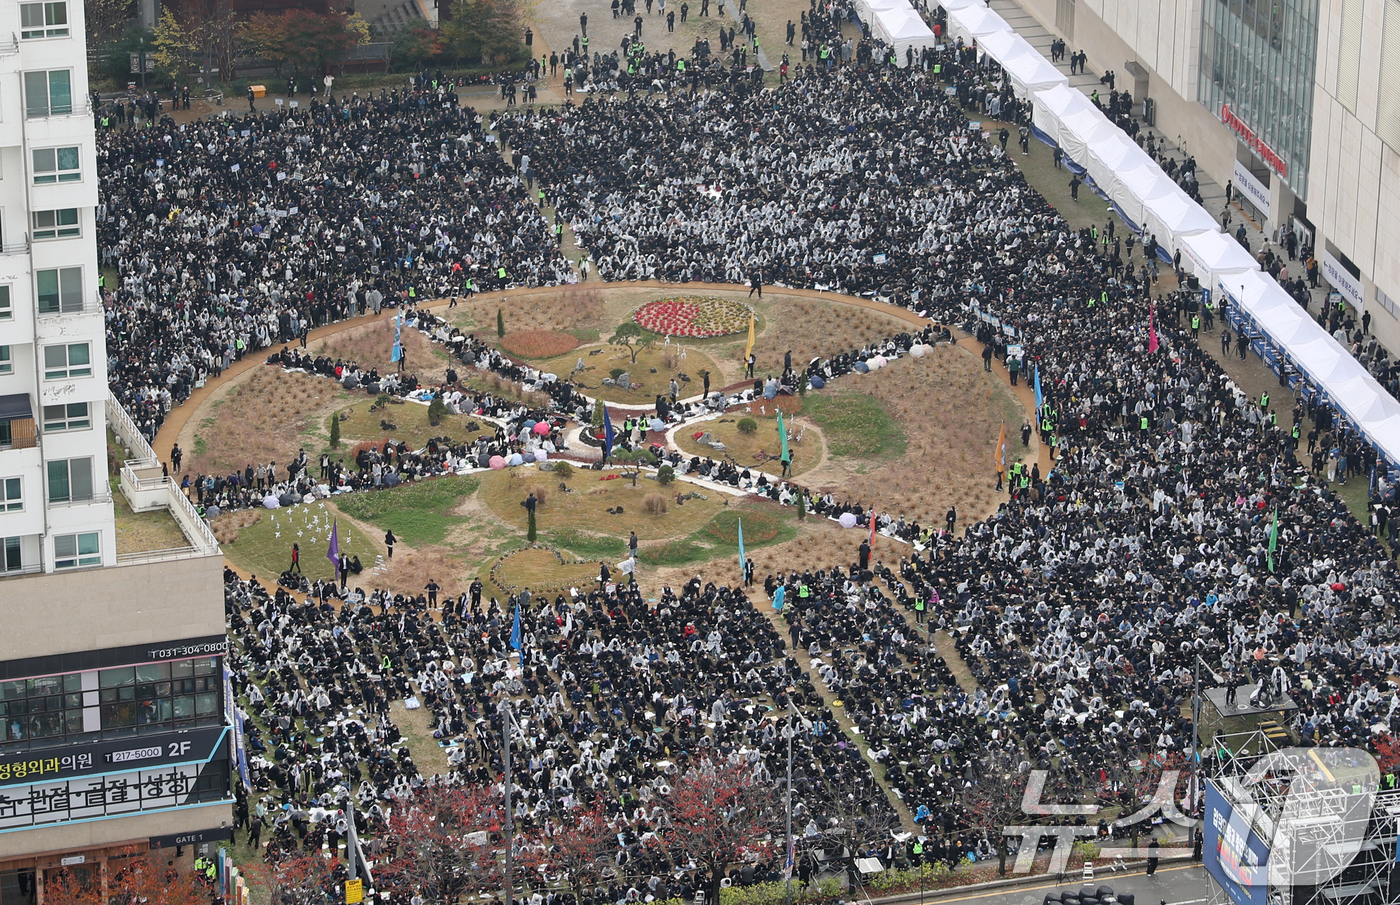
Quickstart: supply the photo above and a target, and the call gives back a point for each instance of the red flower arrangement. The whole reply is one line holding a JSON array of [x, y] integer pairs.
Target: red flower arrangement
[[693, 316]]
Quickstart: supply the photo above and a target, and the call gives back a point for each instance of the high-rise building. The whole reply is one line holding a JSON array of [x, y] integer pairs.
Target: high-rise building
[[1297, 102], [114, 727]]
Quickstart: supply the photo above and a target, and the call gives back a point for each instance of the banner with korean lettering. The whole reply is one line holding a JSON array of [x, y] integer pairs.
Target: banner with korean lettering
[[1234, 854], [96, 797]]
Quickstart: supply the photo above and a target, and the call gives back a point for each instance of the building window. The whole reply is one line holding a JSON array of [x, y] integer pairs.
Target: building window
[[53, 165], [59, 224], [69, 416], [182, 692], [70, 480], [7, 311], [43, 20], [7, 362], [11, 560], [132, 700], [74, 360], [48, 93], [43, 708], [11, 495], [1387, 303], [60, 290], [73, 550]]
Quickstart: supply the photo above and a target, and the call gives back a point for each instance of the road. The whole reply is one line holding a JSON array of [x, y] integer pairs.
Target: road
[[1176, 884]]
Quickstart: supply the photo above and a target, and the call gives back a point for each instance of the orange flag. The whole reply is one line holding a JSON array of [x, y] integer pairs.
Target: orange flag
[[999, 454]]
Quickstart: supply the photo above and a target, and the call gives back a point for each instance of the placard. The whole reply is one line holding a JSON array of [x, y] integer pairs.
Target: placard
[[1342, 280], [1252, 189]]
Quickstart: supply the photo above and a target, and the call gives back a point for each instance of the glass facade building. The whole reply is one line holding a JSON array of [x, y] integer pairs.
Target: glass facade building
[[1258, 59]]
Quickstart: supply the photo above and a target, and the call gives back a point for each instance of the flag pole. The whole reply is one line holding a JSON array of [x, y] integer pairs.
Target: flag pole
[[787, 895]]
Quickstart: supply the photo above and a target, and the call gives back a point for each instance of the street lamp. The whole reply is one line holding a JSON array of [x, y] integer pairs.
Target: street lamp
[[141, 61]]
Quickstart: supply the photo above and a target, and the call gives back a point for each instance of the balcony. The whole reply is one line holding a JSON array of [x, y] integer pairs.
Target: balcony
[[17, 428]]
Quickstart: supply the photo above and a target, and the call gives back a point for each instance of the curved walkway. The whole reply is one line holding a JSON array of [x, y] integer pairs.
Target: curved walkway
[[181, 415]]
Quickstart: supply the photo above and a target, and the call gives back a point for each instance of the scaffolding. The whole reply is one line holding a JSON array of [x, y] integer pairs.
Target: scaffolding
[[1298, 826]]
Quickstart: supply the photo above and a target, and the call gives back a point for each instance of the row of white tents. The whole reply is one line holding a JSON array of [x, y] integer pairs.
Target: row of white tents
[[1281, 332]]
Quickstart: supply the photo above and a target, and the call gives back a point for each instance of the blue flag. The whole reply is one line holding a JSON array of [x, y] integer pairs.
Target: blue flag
[[333, 551], [607, 434], [1039, 398], [779, 596], [743, 563], [515, 636], [397, 353]]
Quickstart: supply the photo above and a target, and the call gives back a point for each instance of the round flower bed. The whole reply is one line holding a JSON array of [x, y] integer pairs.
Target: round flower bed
[[693, 316]]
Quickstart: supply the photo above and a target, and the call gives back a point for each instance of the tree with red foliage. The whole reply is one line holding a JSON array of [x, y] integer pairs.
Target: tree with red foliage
[[308, 39], [717, 815], [443, 842], [144, 877], [1387, 752], [578, 849], [295, 879]]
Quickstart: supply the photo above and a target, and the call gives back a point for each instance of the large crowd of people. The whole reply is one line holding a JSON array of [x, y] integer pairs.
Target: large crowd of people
[[1179, 520]]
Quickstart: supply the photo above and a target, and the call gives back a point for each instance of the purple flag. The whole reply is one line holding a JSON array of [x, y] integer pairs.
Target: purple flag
[[333, 551]]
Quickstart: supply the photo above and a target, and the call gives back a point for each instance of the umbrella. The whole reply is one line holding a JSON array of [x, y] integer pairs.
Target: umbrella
[[350, 382], [212, 512], [541, 428], [847, 520], [270, 502], [285, 499], [541, 456], [879, 361], [527, 457], [391, 479], [657, 424], [515, 459], [862, 368], [817, 382], [497, 463], [530, 424], [917, 351], [1338, 586]]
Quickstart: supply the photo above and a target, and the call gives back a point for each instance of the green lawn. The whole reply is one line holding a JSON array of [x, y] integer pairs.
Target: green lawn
[[418, 514], [855, 425]]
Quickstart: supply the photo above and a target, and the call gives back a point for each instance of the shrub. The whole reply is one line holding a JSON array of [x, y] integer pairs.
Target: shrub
[[801, 506], [828, 890], [564, 470], [335, 430], [382, 399], [748, 426], [541, 495], [655, 504], [665, 475], [437, 410], [617, 372], [500, 323]]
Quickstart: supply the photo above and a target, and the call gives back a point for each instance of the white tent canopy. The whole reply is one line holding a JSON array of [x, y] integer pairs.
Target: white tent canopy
[[1211, 254], [1141, 186], [1082, 127], [1053, 106], [903, 30], [1108, 156], [1175, 216], [1030, 72], [866, 9], [973, 22]]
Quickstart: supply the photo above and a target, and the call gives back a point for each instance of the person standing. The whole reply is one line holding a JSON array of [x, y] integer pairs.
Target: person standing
[[632, 545], [865, 554], [296, 560], [432, 587], [952, 518], [1074, 188], [1152, 857], [389, 541]]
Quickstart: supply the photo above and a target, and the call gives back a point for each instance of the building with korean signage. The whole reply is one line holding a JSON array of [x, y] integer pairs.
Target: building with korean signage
[[1296, 102], [114, 733]]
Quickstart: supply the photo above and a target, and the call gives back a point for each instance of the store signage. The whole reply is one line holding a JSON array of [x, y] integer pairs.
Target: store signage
[[1254, 142], [95, 797], [1248, 186], [1342, 280], [114, 754], [198, 837]]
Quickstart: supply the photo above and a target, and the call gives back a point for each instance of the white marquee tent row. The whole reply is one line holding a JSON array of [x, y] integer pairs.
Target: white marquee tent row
[[1151, 201]]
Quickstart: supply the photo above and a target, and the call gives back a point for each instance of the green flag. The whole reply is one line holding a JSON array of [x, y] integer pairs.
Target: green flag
[[782, 434], [1273, 538]]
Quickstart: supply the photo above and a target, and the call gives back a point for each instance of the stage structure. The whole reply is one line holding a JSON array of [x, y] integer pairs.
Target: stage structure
[[1298, 826]]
